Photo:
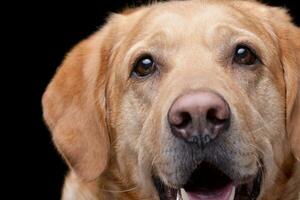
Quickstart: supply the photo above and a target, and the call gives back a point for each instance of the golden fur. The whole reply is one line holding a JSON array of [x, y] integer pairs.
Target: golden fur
[[111, 129]]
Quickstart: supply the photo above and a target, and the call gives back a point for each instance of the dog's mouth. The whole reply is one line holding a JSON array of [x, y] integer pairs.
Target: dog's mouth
[[207, 182]]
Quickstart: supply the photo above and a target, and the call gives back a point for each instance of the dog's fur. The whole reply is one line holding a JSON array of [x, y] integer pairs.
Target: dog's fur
[[111, 128]]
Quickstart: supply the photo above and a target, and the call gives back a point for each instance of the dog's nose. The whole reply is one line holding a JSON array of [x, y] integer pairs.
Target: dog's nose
[[200, 115]]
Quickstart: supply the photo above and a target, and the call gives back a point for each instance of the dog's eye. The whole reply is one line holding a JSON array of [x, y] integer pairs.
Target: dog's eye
[[244, 56], [144, 66]]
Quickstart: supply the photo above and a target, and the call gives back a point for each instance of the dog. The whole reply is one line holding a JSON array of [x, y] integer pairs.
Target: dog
[[195, 99]]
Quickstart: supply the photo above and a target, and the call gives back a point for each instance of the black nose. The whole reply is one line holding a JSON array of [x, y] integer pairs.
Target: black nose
[[199, 115]]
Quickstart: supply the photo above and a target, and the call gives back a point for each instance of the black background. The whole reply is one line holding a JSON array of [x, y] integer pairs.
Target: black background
[[43, 33]]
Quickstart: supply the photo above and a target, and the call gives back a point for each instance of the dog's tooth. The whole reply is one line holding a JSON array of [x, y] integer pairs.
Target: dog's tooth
[[232, 194], [178, 196], [184, 195]]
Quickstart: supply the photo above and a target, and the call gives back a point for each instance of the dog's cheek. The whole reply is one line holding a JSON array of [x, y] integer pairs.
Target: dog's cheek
[[269, 132], [135, 106], [265, 119], [129, 123]]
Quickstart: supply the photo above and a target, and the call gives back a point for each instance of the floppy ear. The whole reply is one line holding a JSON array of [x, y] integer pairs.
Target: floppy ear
[[289, 41], [74, 107]]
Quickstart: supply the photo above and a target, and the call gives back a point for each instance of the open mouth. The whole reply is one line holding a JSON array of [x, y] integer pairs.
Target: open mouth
[[207, 182]]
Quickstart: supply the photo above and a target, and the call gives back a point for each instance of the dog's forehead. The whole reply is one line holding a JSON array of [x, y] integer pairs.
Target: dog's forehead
[[191, 22], [190, 17]]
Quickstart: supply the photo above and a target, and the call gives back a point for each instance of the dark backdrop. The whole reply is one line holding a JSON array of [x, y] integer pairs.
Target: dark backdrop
[[49, 30]]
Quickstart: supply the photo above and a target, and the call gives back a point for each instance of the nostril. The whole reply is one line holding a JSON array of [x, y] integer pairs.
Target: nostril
[[185, 120], [212, 117]]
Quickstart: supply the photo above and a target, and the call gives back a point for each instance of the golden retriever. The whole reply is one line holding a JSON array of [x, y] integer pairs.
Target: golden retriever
[[195, 99]]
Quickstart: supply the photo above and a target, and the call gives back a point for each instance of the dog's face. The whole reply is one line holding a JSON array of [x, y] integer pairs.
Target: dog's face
[[191, 95]]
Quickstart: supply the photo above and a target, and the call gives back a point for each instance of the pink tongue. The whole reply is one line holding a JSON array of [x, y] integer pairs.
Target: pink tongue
[[221, 194]]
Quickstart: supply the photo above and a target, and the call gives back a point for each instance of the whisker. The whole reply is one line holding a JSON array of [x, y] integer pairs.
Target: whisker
[[266, 125], [119, 191], [256, 147]]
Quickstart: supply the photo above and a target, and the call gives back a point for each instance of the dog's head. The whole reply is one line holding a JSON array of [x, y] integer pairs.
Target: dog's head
[[200, 95]]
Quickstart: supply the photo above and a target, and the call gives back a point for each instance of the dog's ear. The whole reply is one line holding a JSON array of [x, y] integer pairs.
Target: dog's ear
[[74, 106], [288, 36]]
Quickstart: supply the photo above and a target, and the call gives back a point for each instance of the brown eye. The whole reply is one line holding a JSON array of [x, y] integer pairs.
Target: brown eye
[[244, 56], [144, 66]]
